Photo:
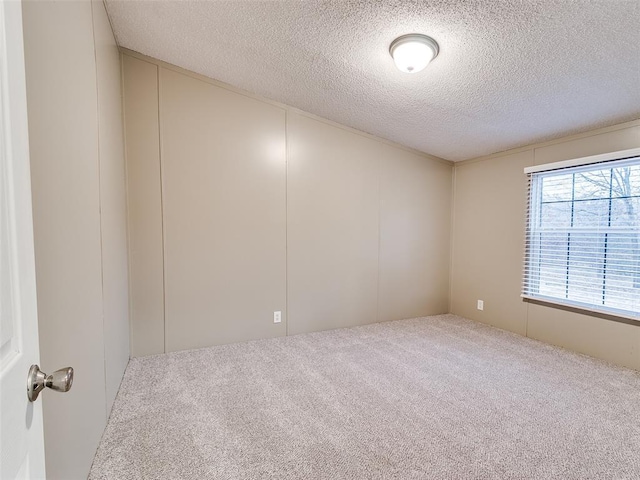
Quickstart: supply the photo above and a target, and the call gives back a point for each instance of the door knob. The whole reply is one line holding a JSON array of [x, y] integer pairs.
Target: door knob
[[60, 381]]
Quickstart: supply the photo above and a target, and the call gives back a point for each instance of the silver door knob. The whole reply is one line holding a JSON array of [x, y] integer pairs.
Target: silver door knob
[[60, 381]]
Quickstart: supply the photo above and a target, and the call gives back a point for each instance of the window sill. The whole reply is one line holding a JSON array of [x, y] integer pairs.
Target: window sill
[[576, 307]]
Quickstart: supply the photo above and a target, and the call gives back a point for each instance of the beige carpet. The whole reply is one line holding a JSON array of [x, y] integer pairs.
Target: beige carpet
[[438, 397]]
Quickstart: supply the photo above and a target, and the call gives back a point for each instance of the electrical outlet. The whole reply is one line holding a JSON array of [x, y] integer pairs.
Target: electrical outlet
[[277, 317], [480, 305]]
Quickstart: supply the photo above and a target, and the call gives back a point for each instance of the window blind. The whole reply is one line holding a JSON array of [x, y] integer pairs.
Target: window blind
[[583, 236]]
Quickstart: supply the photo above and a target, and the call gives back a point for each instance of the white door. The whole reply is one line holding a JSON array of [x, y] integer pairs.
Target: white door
[[21, 435]]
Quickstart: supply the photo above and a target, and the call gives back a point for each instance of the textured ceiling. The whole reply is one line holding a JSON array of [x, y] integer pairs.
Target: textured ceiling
[[509, 73]]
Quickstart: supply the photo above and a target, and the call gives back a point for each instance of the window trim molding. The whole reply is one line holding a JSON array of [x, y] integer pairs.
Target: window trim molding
[[582, 308], [577, 162], [606, 315]]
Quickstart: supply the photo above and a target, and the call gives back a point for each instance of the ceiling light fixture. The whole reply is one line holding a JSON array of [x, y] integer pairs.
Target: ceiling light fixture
[[413, 52]]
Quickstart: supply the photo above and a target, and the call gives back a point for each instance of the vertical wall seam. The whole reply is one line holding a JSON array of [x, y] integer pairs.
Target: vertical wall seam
[[127, 204], [164, 270], [104, 337], [286, 222], [379, 237], [113, 30], [452, 233], [527, 304]]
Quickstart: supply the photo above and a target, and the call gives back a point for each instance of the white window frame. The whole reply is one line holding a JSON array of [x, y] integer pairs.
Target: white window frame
[[531, 219]]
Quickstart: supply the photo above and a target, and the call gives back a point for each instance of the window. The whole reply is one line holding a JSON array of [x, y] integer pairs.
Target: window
[[583, 234]]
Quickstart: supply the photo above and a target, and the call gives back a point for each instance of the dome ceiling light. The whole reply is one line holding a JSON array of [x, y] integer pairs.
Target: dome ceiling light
[[413, 52]]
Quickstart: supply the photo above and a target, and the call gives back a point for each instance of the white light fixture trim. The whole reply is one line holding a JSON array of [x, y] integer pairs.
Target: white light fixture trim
[[413, 52]]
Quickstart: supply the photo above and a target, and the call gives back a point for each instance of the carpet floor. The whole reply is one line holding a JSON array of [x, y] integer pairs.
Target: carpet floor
[[436, 397]]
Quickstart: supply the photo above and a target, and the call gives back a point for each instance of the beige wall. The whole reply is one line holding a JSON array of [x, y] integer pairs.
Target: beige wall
[[247, 207], [223, 197], [488, 239], [415, 239], [113, 203], [332, 226], [77, 168], [146, 265]]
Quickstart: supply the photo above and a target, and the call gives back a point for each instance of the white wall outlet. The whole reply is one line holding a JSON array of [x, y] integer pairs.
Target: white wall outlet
[[480, 305], [277, 317]]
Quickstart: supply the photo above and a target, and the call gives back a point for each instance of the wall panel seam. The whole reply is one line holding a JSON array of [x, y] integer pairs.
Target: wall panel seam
[[106, 11], [452, 235], [379, 238], [127, 205], [526, 310], [104, 337], [286, 222], [164, 255]]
